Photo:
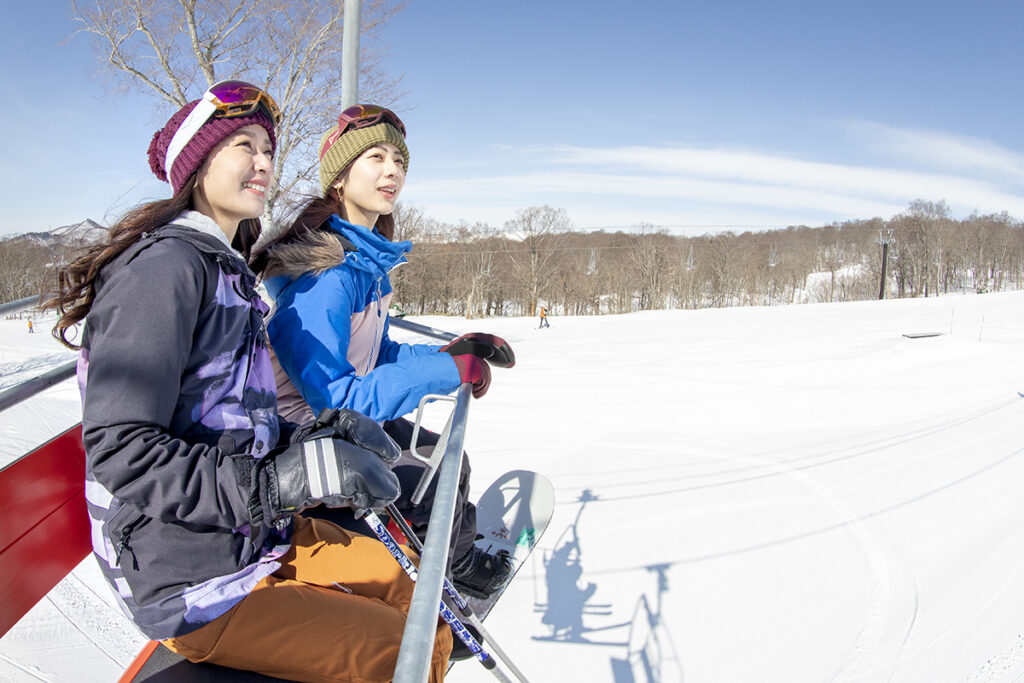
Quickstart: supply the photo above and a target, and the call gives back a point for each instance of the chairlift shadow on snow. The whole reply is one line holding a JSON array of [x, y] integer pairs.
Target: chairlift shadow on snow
[[567, 601], [650, 651], [651, 655]]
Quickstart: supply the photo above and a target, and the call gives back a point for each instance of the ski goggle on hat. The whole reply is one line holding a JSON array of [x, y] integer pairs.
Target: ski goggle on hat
[[223, 100], [361, 116]]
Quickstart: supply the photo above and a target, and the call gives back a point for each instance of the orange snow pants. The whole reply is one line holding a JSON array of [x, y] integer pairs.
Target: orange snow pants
[[334, 611]]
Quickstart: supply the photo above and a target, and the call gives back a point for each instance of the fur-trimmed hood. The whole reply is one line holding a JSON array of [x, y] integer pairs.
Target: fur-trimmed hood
[[315, 252], [336, 242]]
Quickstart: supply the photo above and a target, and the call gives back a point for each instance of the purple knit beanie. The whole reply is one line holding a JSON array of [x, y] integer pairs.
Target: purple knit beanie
[[205, 139]]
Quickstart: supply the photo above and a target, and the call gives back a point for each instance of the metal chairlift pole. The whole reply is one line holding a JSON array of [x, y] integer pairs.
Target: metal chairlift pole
[[350, 54], [465, 611], [418, 638], [885, 238]]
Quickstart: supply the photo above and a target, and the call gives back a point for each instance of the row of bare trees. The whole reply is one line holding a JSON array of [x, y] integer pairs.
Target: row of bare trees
[[537, 258], [26, 267]]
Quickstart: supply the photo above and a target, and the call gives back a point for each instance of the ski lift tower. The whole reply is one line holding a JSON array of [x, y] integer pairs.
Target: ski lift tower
[[350, 54], [885, 238]]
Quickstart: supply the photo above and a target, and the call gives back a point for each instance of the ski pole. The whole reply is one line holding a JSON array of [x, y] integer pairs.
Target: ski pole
[[465, 609], [457, 627]]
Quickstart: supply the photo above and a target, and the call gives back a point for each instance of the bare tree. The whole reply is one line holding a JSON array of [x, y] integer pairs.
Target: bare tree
[[26, 266], [833, 257], [537, 229], [720, 265], [476, 268], [924, 240], [650, 259], [684, 283], [417, 284], [175, 49]]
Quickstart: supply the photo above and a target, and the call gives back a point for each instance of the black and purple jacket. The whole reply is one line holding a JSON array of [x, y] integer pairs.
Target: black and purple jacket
[[178, 405]]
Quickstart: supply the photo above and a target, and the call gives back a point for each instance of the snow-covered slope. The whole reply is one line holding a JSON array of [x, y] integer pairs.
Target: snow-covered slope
[[752, 494]]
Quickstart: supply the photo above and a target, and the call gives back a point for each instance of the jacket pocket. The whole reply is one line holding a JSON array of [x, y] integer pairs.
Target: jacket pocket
[[118, 529]]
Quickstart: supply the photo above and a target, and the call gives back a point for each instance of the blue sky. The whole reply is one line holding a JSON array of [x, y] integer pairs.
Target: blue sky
[[701, 116]]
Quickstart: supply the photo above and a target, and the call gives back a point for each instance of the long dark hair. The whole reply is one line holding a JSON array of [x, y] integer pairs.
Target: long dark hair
[[75, 288], [248, 232], [312, 216]]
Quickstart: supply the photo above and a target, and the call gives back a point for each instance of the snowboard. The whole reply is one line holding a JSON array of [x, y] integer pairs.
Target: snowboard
[[512, 515]]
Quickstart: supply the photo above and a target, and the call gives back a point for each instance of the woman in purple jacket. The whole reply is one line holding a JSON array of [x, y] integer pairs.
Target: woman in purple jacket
[[192, 480]]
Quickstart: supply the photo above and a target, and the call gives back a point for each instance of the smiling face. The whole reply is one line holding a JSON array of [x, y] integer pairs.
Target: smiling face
[[371, 185], [232, 183]]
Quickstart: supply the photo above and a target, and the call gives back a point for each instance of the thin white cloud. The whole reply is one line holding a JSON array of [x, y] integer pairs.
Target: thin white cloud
[[720, 184], [936, 149], [610, 188], [749, 168]]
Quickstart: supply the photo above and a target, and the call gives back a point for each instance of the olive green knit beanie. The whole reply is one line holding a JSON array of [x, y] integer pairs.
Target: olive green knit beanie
[[337, 152]]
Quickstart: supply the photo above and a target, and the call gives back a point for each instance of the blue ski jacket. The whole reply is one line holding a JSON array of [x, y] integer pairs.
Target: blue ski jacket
[[329, 328], [178, 405]]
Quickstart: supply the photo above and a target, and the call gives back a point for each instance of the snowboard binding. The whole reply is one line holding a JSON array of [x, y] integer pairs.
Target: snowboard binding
[[480, 574]]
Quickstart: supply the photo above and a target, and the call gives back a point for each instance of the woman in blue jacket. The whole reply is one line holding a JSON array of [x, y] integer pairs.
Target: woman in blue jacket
[[192, 480], [328, 275]]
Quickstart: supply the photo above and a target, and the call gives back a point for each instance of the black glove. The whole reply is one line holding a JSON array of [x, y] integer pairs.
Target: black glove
[[340, 460], [489, 347]]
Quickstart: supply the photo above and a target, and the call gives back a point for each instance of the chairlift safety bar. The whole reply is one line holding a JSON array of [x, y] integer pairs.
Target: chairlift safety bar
[[19, 305], [418, 638], [425, 330]]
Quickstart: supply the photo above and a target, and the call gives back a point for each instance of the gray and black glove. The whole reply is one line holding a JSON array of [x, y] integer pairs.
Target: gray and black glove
[[341, 460]]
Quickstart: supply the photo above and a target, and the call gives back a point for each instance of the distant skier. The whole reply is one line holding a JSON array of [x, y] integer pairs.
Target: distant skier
[[31, 328], [543, 318]]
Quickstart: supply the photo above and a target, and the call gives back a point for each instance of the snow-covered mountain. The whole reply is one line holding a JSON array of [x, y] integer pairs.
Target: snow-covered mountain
[[86, 232]]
